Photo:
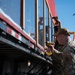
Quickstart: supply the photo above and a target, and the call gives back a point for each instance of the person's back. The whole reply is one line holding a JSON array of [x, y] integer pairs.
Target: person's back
[[64, 57], [69, 58]]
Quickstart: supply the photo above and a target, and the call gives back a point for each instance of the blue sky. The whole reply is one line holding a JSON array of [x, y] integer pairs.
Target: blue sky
[[65, 10]]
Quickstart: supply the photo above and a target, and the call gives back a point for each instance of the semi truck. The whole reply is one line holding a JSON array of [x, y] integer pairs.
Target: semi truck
[[25, 28]]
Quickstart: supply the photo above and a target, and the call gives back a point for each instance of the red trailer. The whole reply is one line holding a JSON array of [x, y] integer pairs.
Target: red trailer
[[20, 53]]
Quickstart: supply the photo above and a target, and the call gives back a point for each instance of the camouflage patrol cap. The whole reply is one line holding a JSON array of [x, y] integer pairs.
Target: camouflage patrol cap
[[63, 31]]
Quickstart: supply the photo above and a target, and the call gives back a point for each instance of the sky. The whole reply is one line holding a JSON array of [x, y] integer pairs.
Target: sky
[[65, 10]]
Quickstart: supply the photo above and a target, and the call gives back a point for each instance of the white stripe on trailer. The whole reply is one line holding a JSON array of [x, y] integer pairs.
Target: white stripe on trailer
[[20, 38], [14, 34]]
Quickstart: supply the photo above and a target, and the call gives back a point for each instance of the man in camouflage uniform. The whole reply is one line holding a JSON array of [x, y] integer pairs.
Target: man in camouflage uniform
[[64, 55]]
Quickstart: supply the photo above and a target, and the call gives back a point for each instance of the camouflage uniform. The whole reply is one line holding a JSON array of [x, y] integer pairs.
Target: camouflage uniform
[[64, 63]]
